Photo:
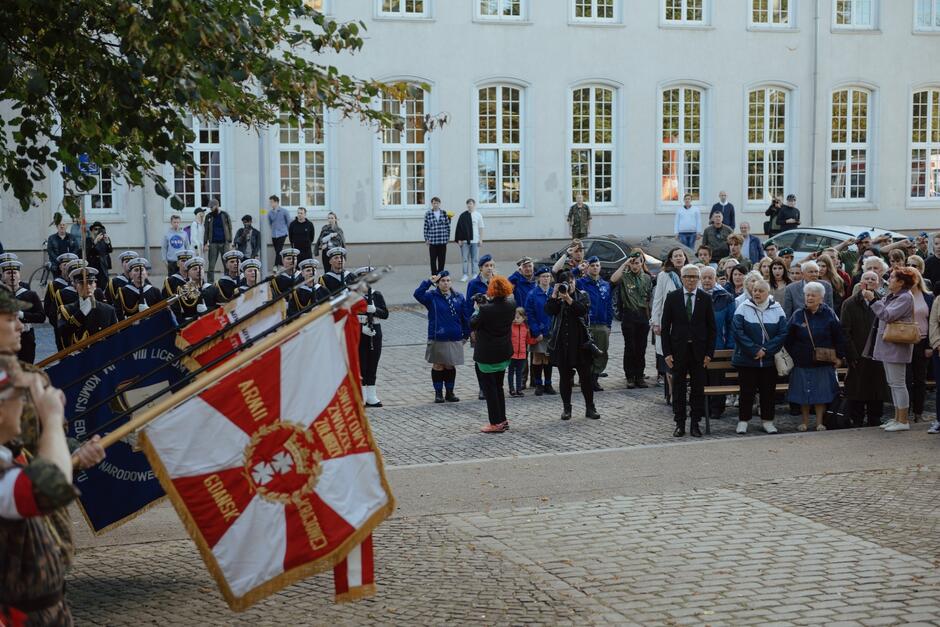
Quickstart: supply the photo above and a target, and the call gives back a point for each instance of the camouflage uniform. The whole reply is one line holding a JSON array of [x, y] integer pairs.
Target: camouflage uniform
[[579, 217]]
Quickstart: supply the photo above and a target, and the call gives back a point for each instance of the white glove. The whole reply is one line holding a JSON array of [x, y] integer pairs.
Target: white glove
[[201, 308], [143, 307], [370, 308], [19, 315], [368, 331], [85, 305], [363, 319]]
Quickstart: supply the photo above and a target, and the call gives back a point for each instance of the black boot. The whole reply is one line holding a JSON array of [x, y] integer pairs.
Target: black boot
[[450, 398], [631, 383], [566, 413], [694, 430], [597, 386], [680, 429], [539, 389], [640, 382], [591, 413], [438, 396], [549, 389]]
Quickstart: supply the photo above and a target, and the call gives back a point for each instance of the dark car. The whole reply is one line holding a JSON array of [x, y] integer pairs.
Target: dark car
[[612, 250]]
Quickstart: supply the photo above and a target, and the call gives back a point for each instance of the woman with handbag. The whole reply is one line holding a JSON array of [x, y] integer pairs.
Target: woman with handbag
[[759, 328], [916, 378], [866, 389], [815, 341], [894, 340]]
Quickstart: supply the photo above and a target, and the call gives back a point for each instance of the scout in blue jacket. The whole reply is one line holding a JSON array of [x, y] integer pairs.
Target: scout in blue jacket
[[540, 326], [448, 329], [601, 314]]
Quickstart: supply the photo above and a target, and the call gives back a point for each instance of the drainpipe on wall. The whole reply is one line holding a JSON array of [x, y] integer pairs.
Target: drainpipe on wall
[[143, 204], [814, 160], [262, 207]]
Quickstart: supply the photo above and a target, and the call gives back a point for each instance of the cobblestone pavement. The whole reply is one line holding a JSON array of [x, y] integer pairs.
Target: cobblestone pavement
[[742, 555]]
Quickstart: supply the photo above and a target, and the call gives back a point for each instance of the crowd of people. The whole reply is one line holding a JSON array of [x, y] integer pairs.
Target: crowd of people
[[826, 325]]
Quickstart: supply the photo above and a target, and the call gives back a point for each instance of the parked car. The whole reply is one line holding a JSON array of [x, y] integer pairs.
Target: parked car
[[612, 250], [807, 240]]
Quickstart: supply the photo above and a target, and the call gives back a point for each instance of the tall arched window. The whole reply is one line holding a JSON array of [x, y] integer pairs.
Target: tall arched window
[[849, 145], [197, 186], [301, 162], [499, 145], [766, 144], [925, 145], [592, 144], [403, 152], [681, 143]]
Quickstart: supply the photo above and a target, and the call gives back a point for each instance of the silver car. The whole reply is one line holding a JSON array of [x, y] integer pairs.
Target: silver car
[[807, 240]]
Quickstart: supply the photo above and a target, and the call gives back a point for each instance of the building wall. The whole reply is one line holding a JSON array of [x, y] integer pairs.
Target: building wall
[[547, 54]]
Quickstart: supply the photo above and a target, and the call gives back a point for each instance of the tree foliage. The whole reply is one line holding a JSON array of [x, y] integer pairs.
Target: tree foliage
[[116, 80]]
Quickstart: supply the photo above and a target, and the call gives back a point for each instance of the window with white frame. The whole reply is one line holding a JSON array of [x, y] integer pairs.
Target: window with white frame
[[104, 195], [594, 11], [499, 145], [766, 144], [684, 11], [402, 8], [403, 151], [925, 145], [501, 9], [592, 144], [681, 144], [849, 161], [853, 14], [301, 162], [196, 186], [771, 13], [927, 15]]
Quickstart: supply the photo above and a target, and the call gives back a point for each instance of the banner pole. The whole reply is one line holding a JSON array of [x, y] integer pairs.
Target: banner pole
[[231, 365]]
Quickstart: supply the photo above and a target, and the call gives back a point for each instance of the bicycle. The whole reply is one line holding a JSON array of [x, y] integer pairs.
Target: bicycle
[[43, 272]]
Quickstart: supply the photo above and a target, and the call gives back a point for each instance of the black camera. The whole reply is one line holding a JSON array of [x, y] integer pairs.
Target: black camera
[[479, 299], [562, 288]]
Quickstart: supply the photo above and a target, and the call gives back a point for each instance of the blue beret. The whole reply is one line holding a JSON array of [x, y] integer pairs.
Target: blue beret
[[593, 259], [863, 235], [923, 234], [443, 273], [543, 270], [484, 259]]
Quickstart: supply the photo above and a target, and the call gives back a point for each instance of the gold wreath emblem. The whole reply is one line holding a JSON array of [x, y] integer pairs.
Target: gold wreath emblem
[[297, 457]]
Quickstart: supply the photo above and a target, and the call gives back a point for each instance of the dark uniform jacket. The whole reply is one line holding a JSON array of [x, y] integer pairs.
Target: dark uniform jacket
[[285, 281], [567, 346], [304, 296], [222, 291], [334, 282], [130, 298], [114, 285], [74, 326]]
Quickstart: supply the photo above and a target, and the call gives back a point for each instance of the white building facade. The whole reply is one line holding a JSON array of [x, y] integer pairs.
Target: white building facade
[[631, 104]]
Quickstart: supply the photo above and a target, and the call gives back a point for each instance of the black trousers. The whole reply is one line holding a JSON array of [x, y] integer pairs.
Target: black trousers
[[278, 246], [370, 352], [635, 328], [759, 380], [685, 364], [492, 385], [585, 379], [27, 347], [865, 412], [917, 377], [438, 253]]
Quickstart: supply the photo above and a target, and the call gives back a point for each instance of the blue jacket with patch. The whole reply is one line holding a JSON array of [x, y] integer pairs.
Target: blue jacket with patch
[[749, 337], [522, 287], [602, 299], [448, 320], [540, 323], [723, 302], [474, 287]]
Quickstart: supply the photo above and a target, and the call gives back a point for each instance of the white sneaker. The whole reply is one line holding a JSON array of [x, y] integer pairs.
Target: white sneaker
[[464, 278], [898, 426], [769, 426], [742, 427], [934, 427], [890, 422]]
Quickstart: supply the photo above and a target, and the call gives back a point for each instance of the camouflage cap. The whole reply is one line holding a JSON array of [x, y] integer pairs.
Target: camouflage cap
[[10, 305]]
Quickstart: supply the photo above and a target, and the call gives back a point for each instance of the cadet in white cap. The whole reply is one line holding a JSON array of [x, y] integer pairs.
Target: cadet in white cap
[[309, 292], [175, 281], [10, 268], [138, 295], [338, 276], [370, 342], [289, 276], [251, 274], [117, 281], [191, 303], [87, 315], [226, 287], [50, 302]]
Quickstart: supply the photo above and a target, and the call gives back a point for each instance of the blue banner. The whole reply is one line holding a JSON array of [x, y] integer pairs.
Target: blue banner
[[123, 484]]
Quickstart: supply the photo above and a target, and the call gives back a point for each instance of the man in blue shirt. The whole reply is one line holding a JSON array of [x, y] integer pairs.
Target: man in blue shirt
[[278, 221], [600, 315]]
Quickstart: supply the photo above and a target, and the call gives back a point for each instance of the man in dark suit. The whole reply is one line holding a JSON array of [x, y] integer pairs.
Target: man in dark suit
[[688, 335], [725, 208]]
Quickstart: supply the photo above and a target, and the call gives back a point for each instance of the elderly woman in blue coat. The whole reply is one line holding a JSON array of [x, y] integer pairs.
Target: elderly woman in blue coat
[[448, 330], [759, 328], [813, 383]]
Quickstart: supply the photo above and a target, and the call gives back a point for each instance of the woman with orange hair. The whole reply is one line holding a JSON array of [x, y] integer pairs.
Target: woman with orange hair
[[492, 352]]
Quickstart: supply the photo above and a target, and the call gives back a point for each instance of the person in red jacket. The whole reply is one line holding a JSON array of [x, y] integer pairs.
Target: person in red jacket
[[521, 340]]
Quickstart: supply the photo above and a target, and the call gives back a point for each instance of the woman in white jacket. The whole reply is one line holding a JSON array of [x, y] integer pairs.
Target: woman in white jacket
[[666, 281]]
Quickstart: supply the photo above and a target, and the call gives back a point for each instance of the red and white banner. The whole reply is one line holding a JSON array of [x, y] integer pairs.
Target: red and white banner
[[230, 317], [273, 468], [354, 577]]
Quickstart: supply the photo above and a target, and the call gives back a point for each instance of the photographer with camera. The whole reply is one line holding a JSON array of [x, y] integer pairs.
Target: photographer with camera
[[98, 249], [570, 345]]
